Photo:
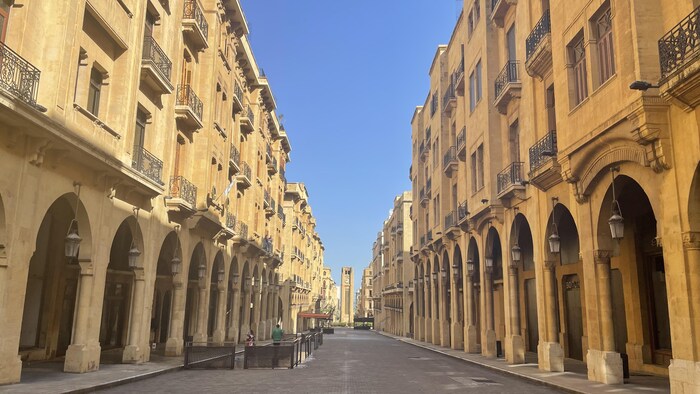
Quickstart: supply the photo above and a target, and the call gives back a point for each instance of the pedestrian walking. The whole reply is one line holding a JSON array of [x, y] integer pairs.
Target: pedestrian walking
[[277, 334], [250, 339]]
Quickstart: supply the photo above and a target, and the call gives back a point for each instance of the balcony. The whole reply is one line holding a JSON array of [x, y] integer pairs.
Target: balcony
[[510, 180], [449, 100], [194, 25], [272, 166], [423, 151], [449, 161], [462, 144], [267, 246], [244, 177], [231, 221], [18, 77], [462, 214], [280, 214], [241, 231], [237, 98], [538, 45], [147, 164], [679, 50], [422, 241], [266, 198], [499, 9], [399, 256], [235, 159], [399, 227], [545, 171], [451, 225], [183, 195], [458, 78], [248, 121], [507, 86], [423, 198], [188, 107], [155, 67], [429, 237]]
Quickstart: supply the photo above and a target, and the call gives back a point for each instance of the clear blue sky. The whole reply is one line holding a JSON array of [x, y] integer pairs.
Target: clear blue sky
[[347, 76]]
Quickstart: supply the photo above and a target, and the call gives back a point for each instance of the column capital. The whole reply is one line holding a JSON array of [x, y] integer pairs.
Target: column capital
[[601, 256], [86, 268], [139, 273], [549, 265], [691, 240]]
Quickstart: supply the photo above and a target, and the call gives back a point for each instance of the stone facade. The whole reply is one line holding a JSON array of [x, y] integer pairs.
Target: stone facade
[[142, 191], [347, 295], [529, 154], [365, 303]]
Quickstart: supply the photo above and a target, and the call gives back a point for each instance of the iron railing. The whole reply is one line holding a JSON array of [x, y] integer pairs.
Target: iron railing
[[543, 150], [422, 150], [510, 176], [180, 187], [238, 92], [153, 53], [508, 74], [428, 187], [282, 174], [449, 157], [187, 97], [17, 76], [266, 197], [247, 172], [451, 220], [422, 194], [243, 230], [462, 211], [251, 116], [422, 240], [235, 155], [462, 139], [459, 72], [231, 221], [449, 95], [273, 205], [680, 45], [541, 29], [429, 236], [208, 355], [192, 11], [267, 245], [146, 163]]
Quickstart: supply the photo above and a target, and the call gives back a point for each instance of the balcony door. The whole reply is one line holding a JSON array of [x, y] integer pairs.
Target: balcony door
[[510, 42], [514, 141], [4, 19]]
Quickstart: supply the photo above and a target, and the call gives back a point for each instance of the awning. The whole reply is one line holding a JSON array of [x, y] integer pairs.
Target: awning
[[311, 315]]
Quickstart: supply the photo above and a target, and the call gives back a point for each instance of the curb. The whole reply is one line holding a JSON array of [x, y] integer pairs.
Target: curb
[[120, 382], [490, 367]]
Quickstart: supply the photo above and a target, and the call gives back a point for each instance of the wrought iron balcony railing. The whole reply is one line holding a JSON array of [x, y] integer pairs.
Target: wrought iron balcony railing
[[231, 221], [449, 95], [462, 139], [251, 116], [429, 236], [192, 11], [422, 241], [458, 72], [543, 150], [187, 97], [462, 211], [17, 76], [508, 74], [451, 220], [266, 197], [422, 194], [238, 92], [680, 45], [146, 163], [235, 155], [247, 172], [428, 187], [541, 29], [510, 176], [154, 53], [450, 157], [243, 230], [180, 187]]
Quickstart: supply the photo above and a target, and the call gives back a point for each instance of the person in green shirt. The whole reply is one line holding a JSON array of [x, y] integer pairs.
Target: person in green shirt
[[277, 334]]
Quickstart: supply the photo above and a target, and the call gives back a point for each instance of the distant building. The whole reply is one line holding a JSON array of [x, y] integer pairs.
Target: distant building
[[346, 295], [364, 299]]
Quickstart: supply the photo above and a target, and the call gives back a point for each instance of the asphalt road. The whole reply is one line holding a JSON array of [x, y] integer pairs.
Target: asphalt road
[[348, 362]]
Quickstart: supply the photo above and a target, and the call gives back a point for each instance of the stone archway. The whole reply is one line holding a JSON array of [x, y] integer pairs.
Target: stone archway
[[49, 321], [232, 301], [472, 334], [458, 320], [217, 276], [123, 299], [445, 281], [524, 306], [438, 316], [163, 290], [428, 302], [244, 307], [494, 295], [196, 295]]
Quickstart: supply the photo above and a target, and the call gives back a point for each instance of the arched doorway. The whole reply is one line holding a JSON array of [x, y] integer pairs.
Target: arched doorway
[[437, 315], [495, 298], [428, 303], [216, 276], [119, 285], [255, 300], [161, 310], [243, 315], [197, 270], [567, 271], [474, 315], [521, 236], [637, 273], [52, 283], [232, 301], [457, 274], [446, 293]]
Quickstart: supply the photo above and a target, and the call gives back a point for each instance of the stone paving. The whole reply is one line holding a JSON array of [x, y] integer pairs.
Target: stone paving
[[348, 362]]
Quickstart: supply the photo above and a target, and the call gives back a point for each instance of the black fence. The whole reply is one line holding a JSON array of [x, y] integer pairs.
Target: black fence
[[207, 355], [292, 351]]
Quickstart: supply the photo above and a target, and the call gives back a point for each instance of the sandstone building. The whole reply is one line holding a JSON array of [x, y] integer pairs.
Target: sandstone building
[[143, 198], [556, 206]]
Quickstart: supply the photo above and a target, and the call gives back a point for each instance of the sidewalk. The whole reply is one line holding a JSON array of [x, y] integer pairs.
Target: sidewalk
[[48, 377], [573, 380]]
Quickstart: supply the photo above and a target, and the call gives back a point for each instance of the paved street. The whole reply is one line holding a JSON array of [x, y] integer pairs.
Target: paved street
[[348, 362]]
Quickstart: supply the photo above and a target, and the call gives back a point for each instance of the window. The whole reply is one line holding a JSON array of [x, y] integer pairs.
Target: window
[[606, 53], [475, 86], [478, 81], [436, 152], [480, 166], [433, 104], [94, 91], [577, 56], [4, 15], [473, 168], [140, 130], [477, 10], [510, 42]]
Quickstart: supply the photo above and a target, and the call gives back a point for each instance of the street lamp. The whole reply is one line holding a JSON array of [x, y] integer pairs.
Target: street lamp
[[616, 221], [220, 274], [134, 254], [202, 270], [470, 267], [488, 263], [234, 279], [434, 276], [642, 85], [516, 253], [72, 240], [554, 242], [444, 274]]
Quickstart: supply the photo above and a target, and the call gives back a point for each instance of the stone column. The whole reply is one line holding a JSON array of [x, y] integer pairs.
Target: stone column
[[604, 365], [10, 362], [437, 315], [133, 354], [445, 318], [456, 330], [220, 321], [685, 374], [428, 310], [233, 318], [82, 356], [490, 334], [175, 343], [200, 334], [470, 335], [551, 354], [515, 345], [263, 329], [255, 324]]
